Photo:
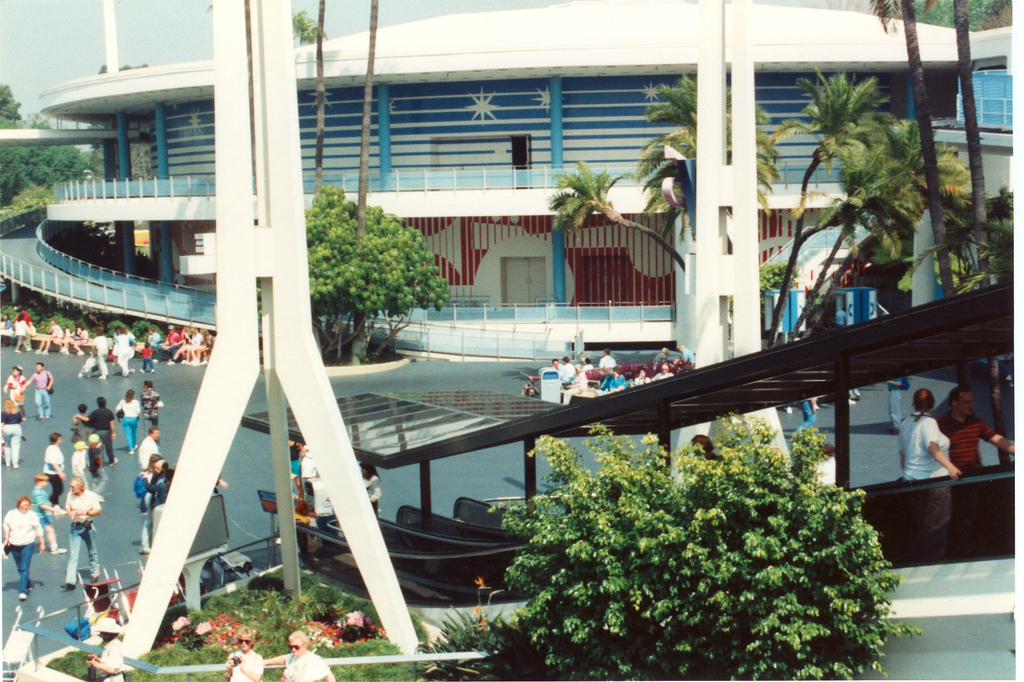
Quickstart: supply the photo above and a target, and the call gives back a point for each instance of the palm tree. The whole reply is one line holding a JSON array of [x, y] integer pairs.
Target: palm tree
[[679, 109], [303, 28], [965, 70], [359, 343], [841, 113], [582, 194], [887, 12], [885, 193], [364, 139], [321, 101]]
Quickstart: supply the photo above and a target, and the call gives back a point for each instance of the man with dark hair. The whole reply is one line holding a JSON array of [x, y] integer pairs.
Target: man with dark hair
[[102, 421], [964, 430]]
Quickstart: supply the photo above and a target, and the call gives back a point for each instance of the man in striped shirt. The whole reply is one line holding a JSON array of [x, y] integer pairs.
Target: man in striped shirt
[[964, 430]]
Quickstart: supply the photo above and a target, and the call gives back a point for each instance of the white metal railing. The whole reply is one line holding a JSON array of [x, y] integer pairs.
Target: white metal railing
[[90, 285], [399, 181], [98, 273]]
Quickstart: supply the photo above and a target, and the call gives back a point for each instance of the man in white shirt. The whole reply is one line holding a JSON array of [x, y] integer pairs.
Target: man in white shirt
[[566, 370], [150, 446], [102, 345], [607, 361], [83, 506]]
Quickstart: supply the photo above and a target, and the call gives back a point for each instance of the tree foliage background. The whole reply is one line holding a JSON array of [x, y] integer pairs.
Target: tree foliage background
[[26, 170], [748, 567], [382, 274]]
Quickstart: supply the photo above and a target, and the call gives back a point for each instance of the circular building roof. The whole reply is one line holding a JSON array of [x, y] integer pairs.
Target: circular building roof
[[583, 38]]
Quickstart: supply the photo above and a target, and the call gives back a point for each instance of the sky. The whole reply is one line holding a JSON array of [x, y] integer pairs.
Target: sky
[[47, 42]]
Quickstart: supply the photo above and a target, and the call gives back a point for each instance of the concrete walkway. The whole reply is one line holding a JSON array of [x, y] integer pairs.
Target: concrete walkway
[[494, 472]]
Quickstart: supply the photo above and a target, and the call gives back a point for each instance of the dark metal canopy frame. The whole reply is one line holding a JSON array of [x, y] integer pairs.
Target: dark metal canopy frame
[[397, 430]]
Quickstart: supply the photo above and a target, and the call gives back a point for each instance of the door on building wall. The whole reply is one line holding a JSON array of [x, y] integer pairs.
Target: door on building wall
[[523, 280], [604, 278]]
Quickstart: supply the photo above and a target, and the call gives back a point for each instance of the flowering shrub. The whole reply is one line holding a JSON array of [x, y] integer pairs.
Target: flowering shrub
[[220, 632], [335, 628], [342, 629]]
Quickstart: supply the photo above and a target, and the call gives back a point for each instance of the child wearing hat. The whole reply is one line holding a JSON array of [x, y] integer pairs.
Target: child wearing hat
[[110, 666], [78, 459]]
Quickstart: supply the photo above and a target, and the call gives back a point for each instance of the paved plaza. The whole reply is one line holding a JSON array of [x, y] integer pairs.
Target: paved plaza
[[495, 472]]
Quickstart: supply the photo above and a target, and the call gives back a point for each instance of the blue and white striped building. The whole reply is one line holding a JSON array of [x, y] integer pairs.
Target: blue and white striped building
[[473, 116]]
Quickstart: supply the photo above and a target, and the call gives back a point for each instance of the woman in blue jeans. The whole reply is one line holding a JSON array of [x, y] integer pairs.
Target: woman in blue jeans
[[131, 408], [21, 530]]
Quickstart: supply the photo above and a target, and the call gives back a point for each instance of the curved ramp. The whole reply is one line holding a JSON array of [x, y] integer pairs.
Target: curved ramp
[[28, 261]]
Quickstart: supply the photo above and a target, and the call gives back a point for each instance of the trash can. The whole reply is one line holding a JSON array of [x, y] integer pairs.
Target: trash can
[[550, 386]]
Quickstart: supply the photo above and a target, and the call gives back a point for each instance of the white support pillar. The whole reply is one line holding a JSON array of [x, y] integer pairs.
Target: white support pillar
[[305, 383], [722, 188], [746, 316], [234, 363], [223, 395], [110, 36], [711, 172], [924, 277]]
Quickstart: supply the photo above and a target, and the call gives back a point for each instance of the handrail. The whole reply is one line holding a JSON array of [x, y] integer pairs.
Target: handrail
[[47, 229], [215, 668], [398, 181], [62, 286]]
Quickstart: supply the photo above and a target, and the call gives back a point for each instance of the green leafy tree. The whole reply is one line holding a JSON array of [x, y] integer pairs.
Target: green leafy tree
[[382, 275], [22, 167], [9, 107], [747, 567]]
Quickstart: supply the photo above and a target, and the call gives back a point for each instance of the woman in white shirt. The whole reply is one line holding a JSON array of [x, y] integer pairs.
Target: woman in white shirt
[[132, 408], [244, 665], [21, 530], [372, 482], [924, 454], [923, 447]]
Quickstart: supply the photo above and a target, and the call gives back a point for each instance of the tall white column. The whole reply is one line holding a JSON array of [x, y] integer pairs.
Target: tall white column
[[744, 233], [110, 36], [713, 184], [281, 262]]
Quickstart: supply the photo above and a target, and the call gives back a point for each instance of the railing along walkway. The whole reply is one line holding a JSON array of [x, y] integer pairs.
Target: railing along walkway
[[28, 261], [398, 181]]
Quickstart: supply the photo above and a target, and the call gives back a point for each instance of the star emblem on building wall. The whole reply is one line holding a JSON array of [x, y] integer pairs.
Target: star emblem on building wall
[[543, 98], [482, 106], [650, 92], [195, 126]]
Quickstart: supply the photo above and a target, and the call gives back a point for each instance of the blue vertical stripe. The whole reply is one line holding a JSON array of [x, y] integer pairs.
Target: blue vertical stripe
[[555, 86]]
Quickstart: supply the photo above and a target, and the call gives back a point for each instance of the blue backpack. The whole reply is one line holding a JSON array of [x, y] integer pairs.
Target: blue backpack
[[140, 487]]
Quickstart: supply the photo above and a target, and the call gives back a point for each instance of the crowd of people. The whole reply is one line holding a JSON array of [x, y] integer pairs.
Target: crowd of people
[[70, 484], [583, 380]]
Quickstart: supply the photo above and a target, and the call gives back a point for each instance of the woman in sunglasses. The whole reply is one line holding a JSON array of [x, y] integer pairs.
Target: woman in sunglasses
[[301, 664], [245, 665]]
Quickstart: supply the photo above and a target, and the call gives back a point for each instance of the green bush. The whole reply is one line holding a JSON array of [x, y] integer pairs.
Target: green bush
[[746, 568]]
